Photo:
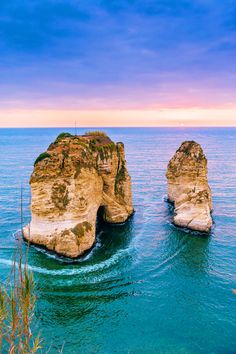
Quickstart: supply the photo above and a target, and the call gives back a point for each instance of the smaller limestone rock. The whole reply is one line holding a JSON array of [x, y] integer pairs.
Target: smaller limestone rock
[[188, 187]]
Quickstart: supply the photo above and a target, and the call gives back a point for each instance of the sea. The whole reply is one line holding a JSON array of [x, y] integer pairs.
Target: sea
[[146, 286]]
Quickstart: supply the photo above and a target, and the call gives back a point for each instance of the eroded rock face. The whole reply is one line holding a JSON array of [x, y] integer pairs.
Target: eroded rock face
[[74, 178], [188, 187]]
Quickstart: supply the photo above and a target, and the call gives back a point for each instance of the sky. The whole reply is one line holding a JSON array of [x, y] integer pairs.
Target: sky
[[117, 63]]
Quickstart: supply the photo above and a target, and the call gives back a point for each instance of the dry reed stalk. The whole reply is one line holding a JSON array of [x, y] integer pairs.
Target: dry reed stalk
[[17, 306]]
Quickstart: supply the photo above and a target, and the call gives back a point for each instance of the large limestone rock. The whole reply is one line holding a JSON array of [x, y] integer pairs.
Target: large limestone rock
[[74, 178], [188, 187]]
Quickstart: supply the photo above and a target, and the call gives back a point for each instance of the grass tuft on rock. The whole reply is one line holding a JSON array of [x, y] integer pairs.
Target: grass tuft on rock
[[63, 135], [41, 157], [96, 133]]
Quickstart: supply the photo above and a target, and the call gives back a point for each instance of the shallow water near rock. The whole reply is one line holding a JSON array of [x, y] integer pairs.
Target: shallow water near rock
[[147, 286]]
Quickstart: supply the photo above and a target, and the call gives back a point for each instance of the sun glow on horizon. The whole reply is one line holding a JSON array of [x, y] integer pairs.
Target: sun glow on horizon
[[188, 117]]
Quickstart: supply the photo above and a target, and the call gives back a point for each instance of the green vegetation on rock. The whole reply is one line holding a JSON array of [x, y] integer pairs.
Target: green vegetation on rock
[[41, 157], [64, 135], [60, 137]]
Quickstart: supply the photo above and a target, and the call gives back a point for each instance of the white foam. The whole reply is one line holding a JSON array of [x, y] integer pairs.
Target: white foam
[[83, 270]]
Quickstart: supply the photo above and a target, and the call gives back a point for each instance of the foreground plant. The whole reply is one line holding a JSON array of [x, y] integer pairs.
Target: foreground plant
[[17, 306]]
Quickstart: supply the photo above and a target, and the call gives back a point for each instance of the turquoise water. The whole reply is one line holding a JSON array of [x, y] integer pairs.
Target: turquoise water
[[147, 287]]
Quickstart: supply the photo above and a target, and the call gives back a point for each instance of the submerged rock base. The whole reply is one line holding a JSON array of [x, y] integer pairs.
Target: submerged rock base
[[70, 181], [188, 187]]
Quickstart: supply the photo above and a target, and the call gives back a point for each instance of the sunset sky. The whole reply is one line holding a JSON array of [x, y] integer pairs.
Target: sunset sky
[[117, 63]]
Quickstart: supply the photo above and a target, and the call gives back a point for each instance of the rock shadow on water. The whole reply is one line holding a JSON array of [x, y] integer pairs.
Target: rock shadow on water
[[193, 259], [69, 299], [112, 237]]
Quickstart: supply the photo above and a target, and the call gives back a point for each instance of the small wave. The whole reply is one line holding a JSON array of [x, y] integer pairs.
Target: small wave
[[63, 259], [75, 271], [8, 248], [166, 261]]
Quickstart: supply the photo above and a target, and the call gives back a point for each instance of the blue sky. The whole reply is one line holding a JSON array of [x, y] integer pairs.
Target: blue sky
[[109, 54]]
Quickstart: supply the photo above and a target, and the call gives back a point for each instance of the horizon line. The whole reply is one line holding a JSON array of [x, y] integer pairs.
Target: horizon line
[[118, 126]]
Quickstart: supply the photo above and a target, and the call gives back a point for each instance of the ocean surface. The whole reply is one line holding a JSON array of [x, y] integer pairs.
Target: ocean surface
[[147, 286]]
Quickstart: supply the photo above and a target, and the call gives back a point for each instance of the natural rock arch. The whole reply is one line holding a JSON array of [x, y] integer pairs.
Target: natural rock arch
[[74, 178]]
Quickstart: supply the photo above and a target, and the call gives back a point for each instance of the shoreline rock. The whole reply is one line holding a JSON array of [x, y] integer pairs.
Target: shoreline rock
[[188, 187], [75, 177]]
